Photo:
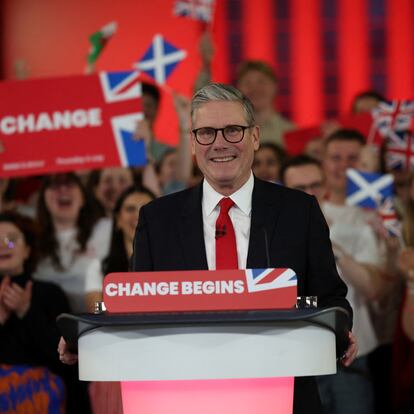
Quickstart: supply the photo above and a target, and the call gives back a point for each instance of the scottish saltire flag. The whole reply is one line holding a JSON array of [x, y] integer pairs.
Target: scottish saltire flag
[[393, 116], [131, 150], [266, 279], [399, 153], [389, 218], [367, 190], [160, 59], [120, 86], [201, 10]]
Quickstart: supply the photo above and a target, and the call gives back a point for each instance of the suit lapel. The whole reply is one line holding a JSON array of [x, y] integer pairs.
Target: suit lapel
[[191, 232], [265, 212]]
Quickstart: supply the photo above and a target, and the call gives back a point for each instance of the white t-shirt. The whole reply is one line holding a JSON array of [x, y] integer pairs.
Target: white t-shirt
[[81, 272], [349, 230]]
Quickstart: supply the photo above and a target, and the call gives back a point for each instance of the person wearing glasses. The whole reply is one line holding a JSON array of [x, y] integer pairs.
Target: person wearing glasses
[[357, 258], [178, 232], [31, 377], [270, 226]]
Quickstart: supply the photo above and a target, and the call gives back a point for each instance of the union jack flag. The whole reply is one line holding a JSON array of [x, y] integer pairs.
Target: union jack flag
[[131, 151], [389, 218], [267, 279], [399, 153], [393, 116], [160, 59], [120, 86], [367, 190], [195, 9]]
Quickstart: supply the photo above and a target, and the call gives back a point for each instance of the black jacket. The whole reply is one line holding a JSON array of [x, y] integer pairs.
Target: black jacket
[[287, 230]]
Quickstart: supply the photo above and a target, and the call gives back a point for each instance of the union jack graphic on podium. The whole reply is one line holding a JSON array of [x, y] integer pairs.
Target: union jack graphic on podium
[[393, 116], [266, 279], [120, 86], [160, 59], [399, 154]]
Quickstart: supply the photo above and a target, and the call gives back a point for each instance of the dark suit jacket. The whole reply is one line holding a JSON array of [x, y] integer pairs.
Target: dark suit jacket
[[287, 230]]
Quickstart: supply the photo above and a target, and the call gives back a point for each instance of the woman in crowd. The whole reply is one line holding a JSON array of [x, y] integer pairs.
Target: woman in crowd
[[28, 332], [106, 396], [125, 222], [106, 186], [73, 240], [267, 162]]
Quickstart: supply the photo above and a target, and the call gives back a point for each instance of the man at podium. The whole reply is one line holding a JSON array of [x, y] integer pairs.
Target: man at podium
[[234, 220]]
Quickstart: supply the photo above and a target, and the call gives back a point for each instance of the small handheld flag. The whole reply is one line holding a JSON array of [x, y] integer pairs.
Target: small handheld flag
[[367, 190], [389, 218], [399, 153], [393, 116], [160, 59], [201, 10], [99, 39]]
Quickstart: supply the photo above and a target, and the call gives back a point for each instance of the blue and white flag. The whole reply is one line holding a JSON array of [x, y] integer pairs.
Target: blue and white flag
[[120, 86], [131, 150], [160, 59], [368, 190]]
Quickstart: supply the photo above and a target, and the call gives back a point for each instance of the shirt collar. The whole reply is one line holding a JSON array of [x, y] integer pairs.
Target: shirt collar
[[242, 197]]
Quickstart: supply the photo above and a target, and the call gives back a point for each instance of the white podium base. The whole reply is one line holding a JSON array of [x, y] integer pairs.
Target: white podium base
[[220, 351]]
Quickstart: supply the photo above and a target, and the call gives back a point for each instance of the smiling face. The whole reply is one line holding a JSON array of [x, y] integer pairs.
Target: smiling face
[[339, 156], [259, 88], [226, 166], [127, 218], [266, 165], [168, 168], [64, 199], [13, 249], [308, 178], [112, 183]]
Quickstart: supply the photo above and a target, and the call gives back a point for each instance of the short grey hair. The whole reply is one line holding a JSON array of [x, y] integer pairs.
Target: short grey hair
[[220, 92]]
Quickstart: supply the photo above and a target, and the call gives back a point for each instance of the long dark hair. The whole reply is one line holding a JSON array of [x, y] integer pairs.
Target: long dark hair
[[30, 231], [117, 259], [87, 218]]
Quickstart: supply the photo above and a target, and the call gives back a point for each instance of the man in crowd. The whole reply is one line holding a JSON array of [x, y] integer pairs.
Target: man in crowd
[[257, 80], [357, 258]]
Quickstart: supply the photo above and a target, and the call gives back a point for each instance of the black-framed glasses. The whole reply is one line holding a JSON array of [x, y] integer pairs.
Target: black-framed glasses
[[231, 133]]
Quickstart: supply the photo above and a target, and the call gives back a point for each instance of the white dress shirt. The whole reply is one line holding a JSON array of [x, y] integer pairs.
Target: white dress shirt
[[240, 215]]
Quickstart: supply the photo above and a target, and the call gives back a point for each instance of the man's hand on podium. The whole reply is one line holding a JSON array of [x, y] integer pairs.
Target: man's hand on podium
[[351, 352], [64, 355]]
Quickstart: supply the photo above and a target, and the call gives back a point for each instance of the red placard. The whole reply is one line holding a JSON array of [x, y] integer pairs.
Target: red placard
[[69, 123], [201, 290]]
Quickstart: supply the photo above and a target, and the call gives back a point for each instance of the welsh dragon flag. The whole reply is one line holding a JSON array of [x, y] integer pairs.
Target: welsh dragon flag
[[99, 40]]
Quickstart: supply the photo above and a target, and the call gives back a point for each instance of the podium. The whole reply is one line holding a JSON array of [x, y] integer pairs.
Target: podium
[[234, 361]]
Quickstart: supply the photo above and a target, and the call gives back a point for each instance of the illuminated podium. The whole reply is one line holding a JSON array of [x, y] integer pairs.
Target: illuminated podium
[[204, 362]]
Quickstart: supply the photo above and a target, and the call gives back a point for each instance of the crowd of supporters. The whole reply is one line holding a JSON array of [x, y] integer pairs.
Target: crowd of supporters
[[60, 234]]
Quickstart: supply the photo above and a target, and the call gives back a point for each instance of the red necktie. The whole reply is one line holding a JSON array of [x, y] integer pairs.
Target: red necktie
[[226, 249]]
